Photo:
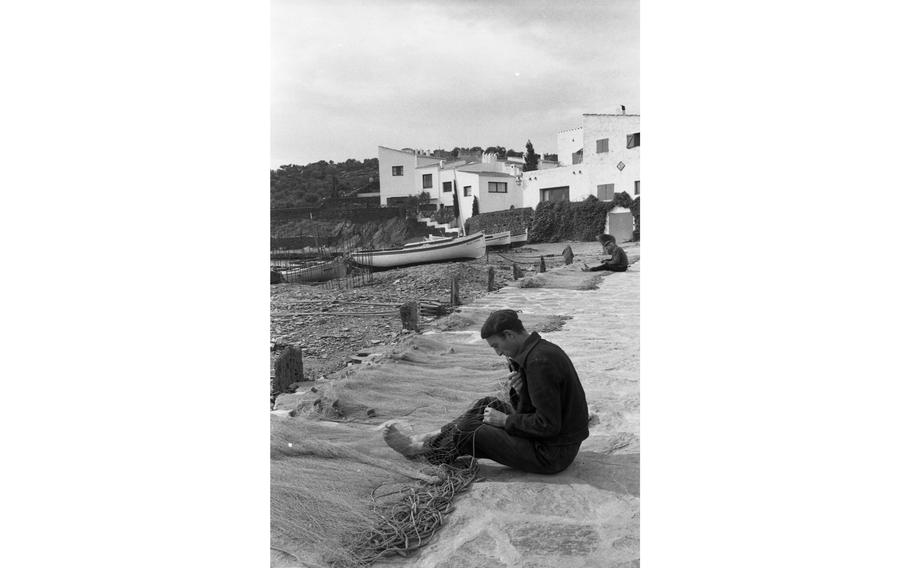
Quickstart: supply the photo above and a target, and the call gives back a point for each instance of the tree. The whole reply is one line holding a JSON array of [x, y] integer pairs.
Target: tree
[[498, 150], [475, 208], [530, 158]]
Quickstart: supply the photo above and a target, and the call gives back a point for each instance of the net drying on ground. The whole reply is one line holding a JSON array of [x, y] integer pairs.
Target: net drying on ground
[[339, 495]]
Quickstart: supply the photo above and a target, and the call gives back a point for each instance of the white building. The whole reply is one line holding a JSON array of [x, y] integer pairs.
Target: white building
[[491, 181], [401, 173], [600, 158]]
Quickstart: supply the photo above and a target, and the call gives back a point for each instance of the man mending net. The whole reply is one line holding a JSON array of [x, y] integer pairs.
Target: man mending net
[[539, 432]]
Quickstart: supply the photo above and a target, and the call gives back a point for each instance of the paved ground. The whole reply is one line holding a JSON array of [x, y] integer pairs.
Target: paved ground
[[588, 515]]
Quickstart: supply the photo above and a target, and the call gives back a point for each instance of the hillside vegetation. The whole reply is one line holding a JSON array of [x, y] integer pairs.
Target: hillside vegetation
[[299, 186]]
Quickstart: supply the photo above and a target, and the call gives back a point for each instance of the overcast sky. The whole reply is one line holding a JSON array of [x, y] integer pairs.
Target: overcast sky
[[348, 76]]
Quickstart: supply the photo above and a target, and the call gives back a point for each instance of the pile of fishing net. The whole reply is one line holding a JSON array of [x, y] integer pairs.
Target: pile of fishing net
[[340, 496]]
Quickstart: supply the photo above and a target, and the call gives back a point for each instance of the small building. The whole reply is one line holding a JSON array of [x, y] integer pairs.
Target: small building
[[401, 173], [492, 181], [600, 158]]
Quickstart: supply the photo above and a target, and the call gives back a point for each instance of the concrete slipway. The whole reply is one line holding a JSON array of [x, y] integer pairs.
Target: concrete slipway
[[587, 516]]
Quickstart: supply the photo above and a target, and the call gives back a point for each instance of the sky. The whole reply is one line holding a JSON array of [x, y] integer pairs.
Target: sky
[[349, 76]]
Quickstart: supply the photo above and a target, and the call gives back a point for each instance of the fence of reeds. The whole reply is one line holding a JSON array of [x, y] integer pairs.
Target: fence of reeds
[[324, 266]]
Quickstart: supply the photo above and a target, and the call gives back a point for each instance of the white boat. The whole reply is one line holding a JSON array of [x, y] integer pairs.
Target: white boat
[[318, 272], [471, 246], [499, 239], [519, 239], [432, 239]]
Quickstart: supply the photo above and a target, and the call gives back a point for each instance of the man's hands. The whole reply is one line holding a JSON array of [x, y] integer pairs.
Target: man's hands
[[494, 417]]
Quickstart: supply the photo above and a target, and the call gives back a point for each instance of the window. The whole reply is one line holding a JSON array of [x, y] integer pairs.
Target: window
[[427, 181], [446, 186], [633, 140], [605, 192], [603, 145], [637, 187], [397, 170], [497, 187], [554, 194], [467, 191]]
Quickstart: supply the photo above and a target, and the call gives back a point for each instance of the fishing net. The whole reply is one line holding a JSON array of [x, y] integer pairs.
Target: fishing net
[[340, 496]]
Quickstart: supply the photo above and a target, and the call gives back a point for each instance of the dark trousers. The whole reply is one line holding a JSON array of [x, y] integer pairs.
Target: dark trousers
[[609, 268], [468, 435]]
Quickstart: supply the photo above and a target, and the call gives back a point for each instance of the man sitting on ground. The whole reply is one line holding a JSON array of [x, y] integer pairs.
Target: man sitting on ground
[[618, 261], [539, 432]]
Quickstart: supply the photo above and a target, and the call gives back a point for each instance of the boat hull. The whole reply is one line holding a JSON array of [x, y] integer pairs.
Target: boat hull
[[471, 246], [499, 239], [519, 239]]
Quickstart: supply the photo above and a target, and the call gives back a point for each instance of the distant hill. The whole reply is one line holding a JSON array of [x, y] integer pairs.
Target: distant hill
[[298, 186]]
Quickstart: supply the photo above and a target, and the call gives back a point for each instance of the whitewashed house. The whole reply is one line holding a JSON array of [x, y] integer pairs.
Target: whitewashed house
[[493, 182], [599, 158]]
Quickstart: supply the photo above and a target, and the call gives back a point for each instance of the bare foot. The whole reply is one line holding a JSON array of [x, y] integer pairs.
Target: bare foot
[[409, 447]]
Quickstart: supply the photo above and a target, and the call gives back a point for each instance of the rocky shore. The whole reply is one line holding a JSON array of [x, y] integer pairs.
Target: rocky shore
[[314, 319]]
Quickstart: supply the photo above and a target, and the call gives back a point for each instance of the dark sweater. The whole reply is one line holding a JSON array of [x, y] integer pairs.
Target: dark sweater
[[618, 262], [551, 406]]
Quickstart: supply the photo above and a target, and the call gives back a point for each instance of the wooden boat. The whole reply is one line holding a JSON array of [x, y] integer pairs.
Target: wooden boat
[[519, 239], [471, 246], [499, 239], [318, 272], [432, 239]]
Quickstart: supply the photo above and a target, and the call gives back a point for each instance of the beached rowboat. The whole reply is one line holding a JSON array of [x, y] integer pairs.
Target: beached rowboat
[[499, 239], [471, 246], [431, 239], [318, 272], [519, 239]]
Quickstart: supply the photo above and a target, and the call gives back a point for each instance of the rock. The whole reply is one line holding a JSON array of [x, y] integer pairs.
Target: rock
[[288, 369]]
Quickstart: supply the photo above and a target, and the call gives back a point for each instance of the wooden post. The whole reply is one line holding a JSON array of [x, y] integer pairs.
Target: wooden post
[[410, 316], [491, 279], [543, 265], [568, 255], [288, 369], [455, 297], [516, 271]]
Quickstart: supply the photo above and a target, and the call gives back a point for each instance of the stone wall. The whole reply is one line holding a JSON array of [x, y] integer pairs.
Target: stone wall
[[497, 221]]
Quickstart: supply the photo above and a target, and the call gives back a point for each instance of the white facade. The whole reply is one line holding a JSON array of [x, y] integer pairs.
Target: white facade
[[613, 169], [400, 174], [419, 173], [599, 158], [486, 187], [567, 143]]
